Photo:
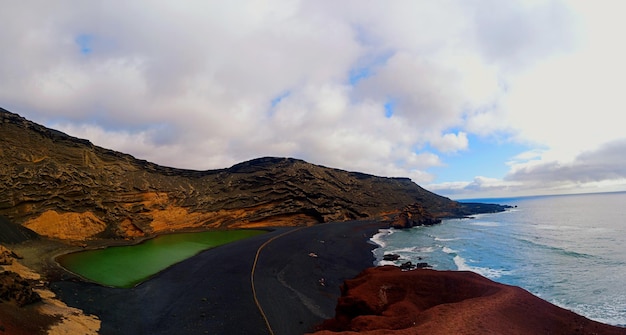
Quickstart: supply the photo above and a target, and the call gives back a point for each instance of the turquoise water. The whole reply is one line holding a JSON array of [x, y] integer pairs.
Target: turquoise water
[[569, 250], [126, 266]]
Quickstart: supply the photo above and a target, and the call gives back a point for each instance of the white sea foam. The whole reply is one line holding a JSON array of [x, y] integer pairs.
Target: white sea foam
[[411, 250], [462, 265], [485, 223], [541, 246], [448, 250], [478, 216], [379, 238], [426, 249], [612, 312], [439, 239], [403, 250]]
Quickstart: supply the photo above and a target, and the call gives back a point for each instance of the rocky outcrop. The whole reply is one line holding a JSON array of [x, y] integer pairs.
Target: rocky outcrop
[[63, 187], [27, 306], [15, 289], [386, 300], [7, 256], [414, 215]]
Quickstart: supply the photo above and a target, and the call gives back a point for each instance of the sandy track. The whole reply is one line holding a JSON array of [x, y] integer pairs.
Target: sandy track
[[211, 292]]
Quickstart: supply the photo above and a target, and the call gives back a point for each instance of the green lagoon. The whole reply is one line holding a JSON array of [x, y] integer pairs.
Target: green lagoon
[[126, 266]]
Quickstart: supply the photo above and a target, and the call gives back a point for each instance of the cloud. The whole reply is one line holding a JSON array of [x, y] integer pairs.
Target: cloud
[[514, 35], [602, 169], [605, 163], [383, 88], [451, 142], [479, 187]]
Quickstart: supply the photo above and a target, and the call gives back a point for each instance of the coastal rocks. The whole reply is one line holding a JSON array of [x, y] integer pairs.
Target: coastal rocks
[[387, 300], [410, 266], [414, 215], [15, 289], [391, 257]]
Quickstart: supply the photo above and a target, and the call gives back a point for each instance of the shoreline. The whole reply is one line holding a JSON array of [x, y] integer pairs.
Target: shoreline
[[567, 283], [298, 281], [41, 255], [571, 309], [387, 300], [138, 260]]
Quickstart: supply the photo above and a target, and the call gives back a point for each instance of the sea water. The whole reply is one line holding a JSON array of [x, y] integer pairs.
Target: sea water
[[569, 250]]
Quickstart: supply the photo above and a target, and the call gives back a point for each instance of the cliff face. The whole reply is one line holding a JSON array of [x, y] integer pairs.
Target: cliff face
[[64, 187], [387, 300]]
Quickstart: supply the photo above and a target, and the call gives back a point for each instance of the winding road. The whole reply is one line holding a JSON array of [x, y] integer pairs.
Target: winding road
[[252, 284]]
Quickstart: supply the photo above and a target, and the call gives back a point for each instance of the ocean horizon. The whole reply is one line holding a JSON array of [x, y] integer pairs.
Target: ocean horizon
[[567, 249]]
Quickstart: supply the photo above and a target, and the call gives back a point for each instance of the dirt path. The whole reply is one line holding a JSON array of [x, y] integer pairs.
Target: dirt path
[[301, 274], [211, 293]]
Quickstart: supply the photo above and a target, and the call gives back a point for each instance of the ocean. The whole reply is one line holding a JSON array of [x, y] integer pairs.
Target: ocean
[[567, 249]]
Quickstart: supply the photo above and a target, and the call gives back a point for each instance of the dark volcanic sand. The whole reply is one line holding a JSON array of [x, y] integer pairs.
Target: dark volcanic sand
[[211, 292]]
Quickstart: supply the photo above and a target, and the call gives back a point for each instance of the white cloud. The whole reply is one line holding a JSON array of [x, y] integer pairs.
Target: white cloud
[[477, 188], [451, 142], [205, 85], [602, 169]]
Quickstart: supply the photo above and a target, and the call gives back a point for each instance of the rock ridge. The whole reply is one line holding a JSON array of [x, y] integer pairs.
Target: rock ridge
[[67, 188]]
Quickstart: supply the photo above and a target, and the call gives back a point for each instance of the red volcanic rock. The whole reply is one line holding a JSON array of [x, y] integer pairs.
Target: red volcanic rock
[[386, 300]]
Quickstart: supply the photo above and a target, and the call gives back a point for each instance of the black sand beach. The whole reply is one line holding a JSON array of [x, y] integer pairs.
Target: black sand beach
[[297, 279]]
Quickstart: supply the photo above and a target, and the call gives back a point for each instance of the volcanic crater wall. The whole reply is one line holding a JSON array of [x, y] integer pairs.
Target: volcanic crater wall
[[64, 187]]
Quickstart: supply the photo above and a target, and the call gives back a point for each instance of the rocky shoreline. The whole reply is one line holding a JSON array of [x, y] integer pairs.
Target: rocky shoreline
[[387, 300], [312, 279]]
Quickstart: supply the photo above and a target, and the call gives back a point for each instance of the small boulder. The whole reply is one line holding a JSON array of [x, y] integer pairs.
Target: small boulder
[[391, 257], [407, 266]]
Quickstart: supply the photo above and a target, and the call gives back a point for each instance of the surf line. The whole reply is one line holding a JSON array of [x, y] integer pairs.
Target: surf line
[[256, 258]]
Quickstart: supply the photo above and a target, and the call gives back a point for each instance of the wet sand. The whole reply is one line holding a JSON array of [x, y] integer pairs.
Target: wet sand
[[297, 280]]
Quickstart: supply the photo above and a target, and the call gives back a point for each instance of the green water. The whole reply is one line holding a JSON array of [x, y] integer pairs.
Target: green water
[[126, 266]]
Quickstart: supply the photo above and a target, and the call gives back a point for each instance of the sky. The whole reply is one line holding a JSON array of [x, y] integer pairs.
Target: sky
[[468, 98]]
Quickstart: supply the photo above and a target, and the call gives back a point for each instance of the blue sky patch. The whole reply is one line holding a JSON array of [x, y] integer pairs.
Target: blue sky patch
[[367, 66], [390, 107], [279, 98], [359, 74], [85, 43], [486, 156]]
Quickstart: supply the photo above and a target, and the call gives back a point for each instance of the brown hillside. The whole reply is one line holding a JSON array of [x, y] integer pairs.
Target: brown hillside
[[64, 187]]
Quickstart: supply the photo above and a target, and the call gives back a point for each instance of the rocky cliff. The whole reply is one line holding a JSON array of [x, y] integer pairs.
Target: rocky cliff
[[386, 300], [64, 187]]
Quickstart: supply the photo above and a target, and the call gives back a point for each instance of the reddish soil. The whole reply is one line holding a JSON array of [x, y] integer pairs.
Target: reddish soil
[[25, 320], [386, 300]]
